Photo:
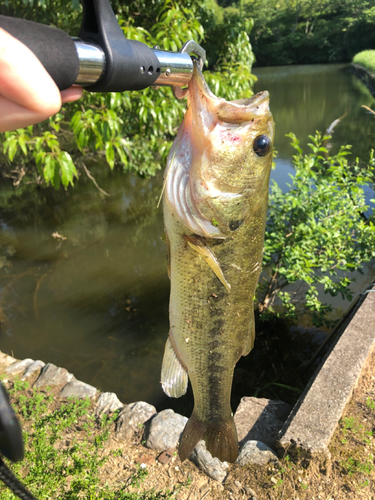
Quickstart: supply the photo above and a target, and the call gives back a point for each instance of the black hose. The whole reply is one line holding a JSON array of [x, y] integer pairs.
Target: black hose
[[7, 476]]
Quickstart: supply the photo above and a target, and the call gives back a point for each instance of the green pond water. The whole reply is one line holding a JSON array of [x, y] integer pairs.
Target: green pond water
[[96, 302]]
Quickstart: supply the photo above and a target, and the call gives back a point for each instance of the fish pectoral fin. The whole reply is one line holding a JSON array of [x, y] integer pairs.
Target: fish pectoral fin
[[174, 377], [196, 243]]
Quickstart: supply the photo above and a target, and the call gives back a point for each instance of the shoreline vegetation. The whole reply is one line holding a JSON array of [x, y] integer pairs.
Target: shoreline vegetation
[[366, 59], [363, 66]]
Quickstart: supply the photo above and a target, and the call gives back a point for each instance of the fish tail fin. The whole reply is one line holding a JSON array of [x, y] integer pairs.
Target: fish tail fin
[[221, 441], [220, 438]]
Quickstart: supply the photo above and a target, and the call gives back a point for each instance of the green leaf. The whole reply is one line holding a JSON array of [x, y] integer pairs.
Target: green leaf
[[12, 149], [22, 144], [68, 169], [110, 154], [50, 164]]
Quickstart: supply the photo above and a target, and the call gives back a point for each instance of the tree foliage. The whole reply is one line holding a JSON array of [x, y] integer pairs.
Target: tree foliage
[[131, 130], [318, 232], [308, 31]]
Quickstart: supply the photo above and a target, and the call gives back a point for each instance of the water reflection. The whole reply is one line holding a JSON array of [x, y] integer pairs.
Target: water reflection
[[307, 98], [97, 302]]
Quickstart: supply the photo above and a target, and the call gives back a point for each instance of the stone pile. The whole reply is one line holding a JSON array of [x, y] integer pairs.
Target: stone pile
[[258, 420]]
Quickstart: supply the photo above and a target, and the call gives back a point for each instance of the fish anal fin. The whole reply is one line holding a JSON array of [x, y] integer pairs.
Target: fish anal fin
[[249, 339], [249, 344], [220, 438], [197, 244], [174, 378]]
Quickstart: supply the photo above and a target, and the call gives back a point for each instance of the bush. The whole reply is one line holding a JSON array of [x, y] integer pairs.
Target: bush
[[366, 59], [318, 233]]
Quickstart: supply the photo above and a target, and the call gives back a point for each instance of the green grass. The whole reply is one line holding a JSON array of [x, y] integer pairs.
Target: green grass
[[366, 59], [63, 451], [370, 403], [356, 461]]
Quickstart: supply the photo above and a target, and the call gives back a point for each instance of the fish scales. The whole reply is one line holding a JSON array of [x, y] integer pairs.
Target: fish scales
[[215, 205]]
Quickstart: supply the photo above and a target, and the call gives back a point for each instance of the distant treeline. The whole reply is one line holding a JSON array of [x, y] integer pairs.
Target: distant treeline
[[306, 31]]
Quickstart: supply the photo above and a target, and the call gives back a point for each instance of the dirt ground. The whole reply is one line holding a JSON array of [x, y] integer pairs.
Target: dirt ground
[[350, 473]]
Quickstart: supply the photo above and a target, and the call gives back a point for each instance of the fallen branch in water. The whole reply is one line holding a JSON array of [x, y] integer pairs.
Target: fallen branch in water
[[368, 109], [88, 173]]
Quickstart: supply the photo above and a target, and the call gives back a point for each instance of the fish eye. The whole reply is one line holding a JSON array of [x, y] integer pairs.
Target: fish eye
[[261, 145]]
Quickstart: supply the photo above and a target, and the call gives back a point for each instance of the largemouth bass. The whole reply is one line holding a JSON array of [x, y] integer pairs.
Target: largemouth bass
[[215, 205]]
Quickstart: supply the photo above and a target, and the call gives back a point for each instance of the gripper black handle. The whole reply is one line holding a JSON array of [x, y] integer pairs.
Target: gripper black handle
[[53, 47]]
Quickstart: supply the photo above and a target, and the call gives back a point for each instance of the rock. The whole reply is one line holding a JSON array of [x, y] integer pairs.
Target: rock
[[166, 456], [78, 389], [33, 368], [132, 418], [18, 366], [107, 402], [165, 430], [145, 459], [52, 375], [213, 467], [6, 360], [260, 419], [256, 452], [250, 492], [233, 488], [204, 490]]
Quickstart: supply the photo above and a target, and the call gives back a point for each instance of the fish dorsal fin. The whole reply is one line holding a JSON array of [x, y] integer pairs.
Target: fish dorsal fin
[[197, 244], [174, 378]]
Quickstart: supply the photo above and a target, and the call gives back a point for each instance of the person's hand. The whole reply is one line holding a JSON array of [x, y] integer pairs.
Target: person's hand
[[28, 94]]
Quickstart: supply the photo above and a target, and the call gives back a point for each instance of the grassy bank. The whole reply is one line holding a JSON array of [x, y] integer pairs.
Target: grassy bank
[[72, 455], [366, 59], [69, 452]]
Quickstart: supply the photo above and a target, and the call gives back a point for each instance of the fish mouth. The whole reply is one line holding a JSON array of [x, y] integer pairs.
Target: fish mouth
[[209, 109], [244, 110]]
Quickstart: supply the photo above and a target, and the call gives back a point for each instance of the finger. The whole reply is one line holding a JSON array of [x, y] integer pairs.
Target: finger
[[13, 115], [71, 94], [23, 79]]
